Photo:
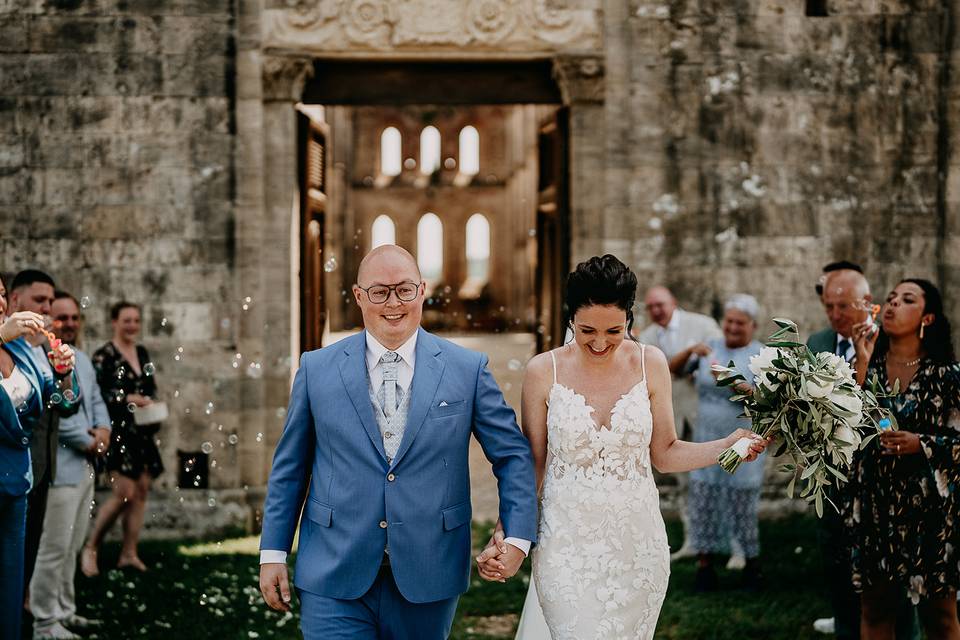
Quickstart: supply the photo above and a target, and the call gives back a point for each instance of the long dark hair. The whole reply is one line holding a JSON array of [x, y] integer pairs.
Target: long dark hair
[[937, 341], [602, 280]]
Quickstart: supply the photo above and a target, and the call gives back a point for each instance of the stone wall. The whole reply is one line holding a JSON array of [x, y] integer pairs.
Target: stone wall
[[148, 151]]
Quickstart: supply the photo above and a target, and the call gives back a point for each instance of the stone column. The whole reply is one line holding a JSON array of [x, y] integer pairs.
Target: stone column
[[582, 85]]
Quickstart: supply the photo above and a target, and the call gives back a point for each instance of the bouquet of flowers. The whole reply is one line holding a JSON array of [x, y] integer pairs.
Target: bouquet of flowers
[[812, 407]]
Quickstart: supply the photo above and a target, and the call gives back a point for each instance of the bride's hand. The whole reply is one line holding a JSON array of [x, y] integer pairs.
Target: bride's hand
[[757, 444], [488, 563]]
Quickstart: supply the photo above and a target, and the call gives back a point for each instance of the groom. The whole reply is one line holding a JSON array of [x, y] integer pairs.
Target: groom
[[375, 450]]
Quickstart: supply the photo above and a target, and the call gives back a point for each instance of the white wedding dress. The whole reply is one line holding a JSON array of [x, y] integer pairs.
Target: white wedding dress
[[601, 565]]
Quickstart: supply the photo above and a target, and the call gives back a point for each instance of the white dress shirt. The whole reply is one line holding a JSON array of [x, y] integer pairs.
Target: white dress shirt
[[408, 359]]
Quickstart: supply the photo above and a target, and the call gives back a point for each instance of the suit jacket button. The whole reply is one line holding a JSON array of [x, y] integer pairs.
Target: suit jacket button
[[391, 477], [383, 524]]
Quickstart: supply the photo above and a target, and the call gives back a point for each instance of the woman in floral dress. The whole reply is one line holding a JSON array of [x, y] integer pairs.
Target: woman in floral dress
[[904, 512]]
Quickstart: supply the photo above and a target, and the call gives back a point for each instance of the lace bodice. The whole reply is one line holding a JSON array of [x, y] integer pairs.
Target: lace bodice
[[602, 563]]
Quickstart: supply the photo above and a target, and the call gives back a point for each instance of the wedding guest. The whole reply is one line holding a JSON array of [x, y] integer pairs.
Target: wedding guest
[[904, 513], [672, 330], [83, 436], [840, 265], [126, 378], [723, 506], [32, 290], [27, 385], [846, 298]]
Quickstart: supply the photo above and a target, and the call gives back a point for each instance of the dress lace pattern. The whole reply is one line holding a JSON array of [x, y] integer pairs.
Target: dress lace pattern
[[602, 563]]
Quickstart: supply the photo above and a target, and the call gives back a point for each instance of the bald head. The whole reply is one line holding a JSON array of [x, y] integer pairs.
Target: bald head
[[847, 280], [660, 305], [388, 258], [846, 300]]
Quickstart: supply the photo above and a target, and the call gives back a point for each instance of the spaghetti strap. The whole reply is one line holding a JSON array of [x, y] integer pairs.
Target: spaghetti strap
[[554, 358], [643, 361]]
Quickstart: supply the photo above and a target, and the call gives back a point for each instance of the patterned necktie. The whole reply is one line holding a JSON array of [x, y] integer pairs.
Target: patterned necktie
[[842, 348], [390, 393]]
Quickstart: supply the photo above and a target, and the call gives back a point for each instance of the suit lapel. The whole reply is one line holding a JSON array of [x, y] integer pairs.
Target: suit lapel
[[353, 373], [426, 379]]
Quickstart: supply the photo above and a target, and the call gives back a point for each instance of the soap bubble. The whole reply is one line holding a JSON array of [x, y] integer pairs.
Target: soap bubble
[[330, 265], [149, 369], [207, 447], [84, 302], [69, 395], [209, 408], [56, 398], [233, 438], [211, 502], [259, 437], [514, 365], [131, 407]]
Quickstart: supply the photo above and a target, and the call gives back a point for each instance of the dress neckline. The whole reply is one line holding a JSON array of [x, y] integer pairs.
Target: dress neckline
[[613, 410]]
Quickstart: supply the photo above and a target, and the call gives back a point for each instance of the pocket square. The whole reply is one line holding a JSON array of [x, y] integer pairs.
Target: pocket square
[[443, 403]]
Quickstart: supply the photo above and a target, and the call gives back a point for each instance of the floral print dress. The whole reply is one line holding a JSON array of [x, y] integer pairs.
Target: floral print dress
[[133, 449], [905, 509]]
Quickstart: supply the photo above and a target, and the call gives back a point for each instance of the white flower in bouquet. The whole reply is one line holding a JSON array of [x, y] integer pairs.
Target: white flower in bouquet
[[812, 407]]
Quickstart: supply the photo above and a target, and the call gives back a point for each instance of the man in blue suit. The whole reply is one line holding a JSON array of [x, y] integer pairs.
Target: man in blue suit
[[375, 450]]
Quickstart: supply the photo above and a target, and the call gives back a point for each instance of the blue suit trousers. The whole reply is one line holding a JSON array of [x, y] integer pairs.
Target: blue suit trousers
[[379, 614]]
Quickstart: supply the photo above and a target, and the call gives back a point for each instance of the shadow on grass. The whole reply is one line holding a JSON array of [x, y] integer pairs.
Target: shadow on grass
[[210, 590]]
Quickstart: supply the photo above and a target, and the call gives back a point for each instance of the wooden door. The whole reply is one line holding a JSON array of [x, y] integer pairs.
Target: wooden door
[[553, 230], [313, 201]]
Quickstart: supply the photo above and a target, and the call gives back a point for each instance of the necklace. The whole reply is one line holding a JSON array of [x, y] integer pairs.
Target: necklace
[[908, 363]]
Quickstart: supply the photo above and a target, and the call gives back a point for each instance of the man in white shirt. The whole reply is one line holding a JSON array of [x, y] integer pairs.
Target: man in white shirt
[[672, 330]]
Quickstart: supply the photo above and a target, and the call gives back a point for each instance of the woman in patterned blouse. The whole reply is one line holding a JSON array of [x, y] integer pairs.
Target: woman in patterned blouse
[[904, 513], [126, 378]]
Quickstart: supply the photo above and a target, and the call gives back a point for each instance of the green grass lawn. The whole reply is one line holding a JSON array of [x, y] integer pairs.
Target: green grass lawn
[[209, 590]]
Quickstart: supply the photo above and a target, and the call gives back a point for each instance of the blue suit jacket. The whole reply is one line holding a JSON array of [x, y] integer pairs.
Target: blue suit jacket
[[330, 460], [16, 428]]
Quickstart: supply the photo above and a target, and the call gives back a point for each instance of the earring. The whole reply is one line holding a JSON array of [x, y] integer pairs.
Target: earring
[[922, 325]]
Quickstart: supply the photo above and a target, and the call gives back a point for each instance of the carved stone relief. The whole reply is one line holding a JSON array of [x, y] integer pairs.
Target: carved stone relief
[[457, 27]]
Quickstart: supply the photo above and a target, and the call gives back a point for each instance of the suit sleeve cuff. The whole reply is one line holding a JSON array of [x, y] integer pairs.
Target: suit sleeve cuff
[[523, 545], [271, 555]]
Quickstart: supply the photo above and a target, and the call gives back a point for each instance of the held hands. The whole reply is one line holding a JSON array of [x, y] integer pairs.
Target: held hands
[[757, 444], [499, 560], [899, 443], [275, 585]]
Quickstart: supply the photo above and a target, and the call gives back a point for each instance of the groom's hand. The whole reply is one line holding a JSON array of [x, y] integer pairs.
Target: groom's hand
[[274, 585]]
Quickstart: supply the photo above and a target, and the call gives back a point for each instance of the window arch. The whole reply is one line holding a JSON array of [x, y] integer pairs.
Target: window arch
[[384, 231], [478, 247], [430, 247], [390, 152], [429, 150], [469, 151]]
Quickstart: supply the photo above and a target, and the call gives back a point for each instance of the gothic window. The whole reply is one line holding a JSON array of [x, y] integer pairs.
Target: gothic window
[[429, 150], [469, 151], [478, 247], [430, 247], [384, 231], [390, 153]]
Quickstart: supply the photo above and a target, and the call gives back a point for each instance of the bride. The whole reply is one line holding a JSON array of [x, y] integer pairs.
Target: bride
[[597, 413]]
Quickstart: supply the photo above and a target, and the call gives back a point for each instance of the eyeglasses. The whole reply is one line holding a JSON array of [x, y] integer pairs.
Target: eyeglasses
[[380, 293]]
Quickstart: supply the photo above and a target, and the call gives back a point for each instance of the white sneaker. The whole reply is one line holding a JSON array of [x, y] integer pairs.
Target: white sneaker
[[56, 632], [79, 622], [686, 551], [824, 625], [736, 563]]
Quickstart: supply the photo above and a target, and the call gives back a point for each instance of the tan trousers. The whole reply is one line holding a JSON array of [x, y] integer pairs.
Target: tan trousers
[[65, 527]]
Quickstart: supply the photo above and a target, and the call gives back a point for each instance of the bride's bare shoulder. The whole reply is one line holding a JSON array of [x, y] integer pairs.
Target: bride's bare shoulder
[[539, 366]]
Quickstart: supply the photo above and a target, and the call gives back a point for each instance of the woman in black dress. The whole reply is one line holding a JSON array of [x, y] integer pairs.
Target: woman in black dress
[[905, 514], [126, 378]]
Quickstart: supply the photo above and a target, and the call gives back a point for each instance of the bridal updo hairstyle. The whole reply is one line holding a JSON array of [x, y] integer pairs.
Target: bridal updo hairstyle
[[601, 280]]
